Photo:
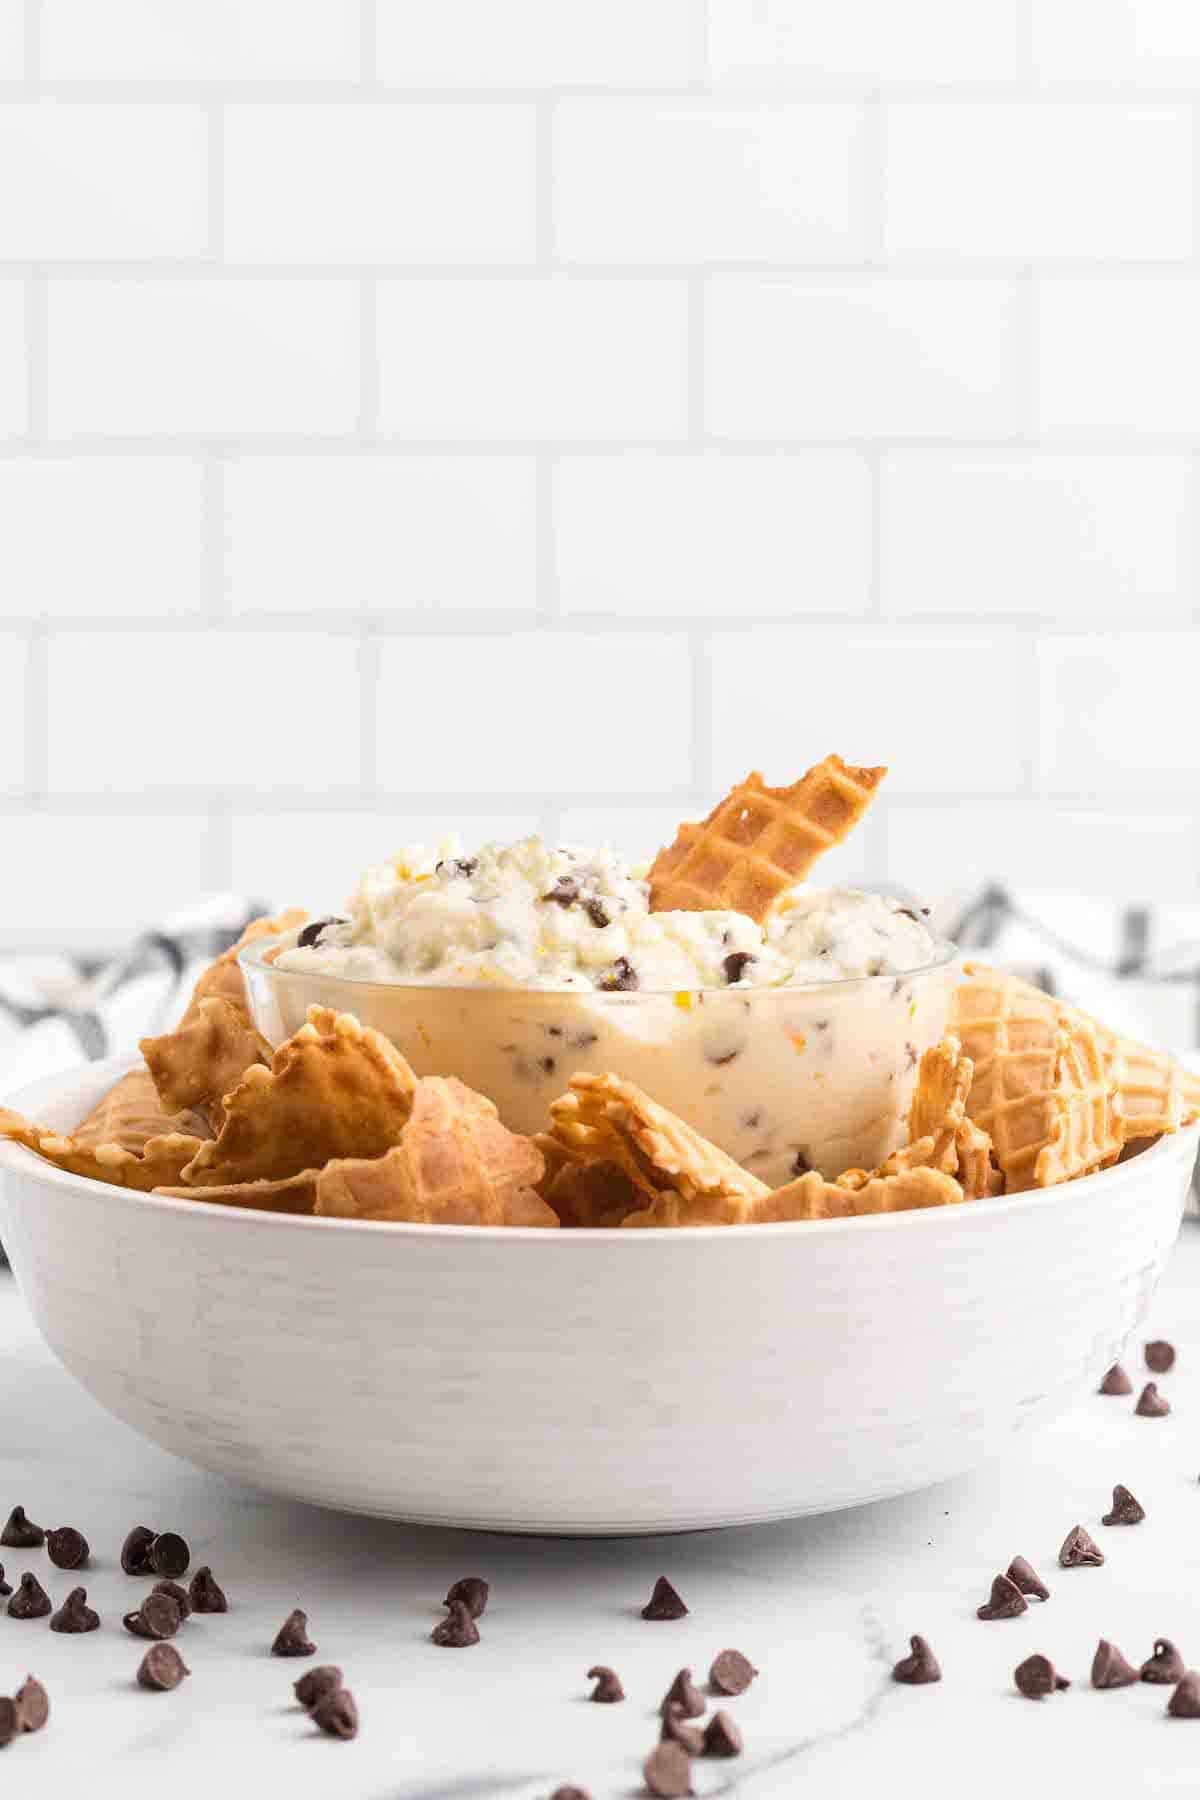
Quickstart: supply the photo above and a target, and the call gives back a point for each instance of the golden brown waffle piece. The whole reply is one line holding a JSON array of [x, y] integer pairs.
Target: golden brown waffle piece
[[677, 1176], [294, 1194], [940, 1134], [223, 980], [812, 1197], [198, 1064], [126, 1140], [759, 840], [455, 1164], [334, 1089]]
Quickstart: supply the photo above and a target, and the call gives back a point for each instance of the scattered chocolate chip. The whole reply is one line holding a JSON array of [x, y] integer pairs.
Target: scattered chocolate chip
[[596, 913], [1110, 1669], [1036, 1677], [1151, 1404], [1185, 1701], [292, 1637], [162, 1668], [565, 892], [168, 1554], [570, 1793], [311, 933], [9, 1722], [336, 1713], [204, 1594], [1160, 1356], [315, 1682], [33, 1704], [5, 1586], [472, 1592], [684, 1692], [66, 1547], [667, 1771], [157, 1617], [664, 1602], [731, 1672], [722, 1737], [135, 1549], [458, 1631], [800, 1164], [608, 1689], [1116, 1382], [676, 1730], [1005, 1601], [736, 964], [1080, 1550], [459, 866], [1165, 1667], [21, 1533], [75, 1615], [1026, 1577], [919, 1667], [31, 1601], [178, 1594], [1125, 1509], [621, 978]]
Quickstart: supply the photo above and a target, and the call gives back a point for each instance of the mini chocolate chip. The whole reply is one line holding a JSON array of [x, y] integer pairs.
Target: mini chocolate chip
[[664, 1602], [336, 1713], [1110, 1669], [1125, 1509], [1185, 1701], [1024, 1576], [66, 1547], [722, 1737], [1080, 1550], [311, 934], [33, 1704], [731, 1672], [458, 1631], [315, 1682], [1160, 1356], [547, 1065], [157, 1617], [292, 1637], [169, 1554], [5, 1586], [1116, 1382], [460, 866], [1151, 1404], [21, 1533], [162, 1668], [204, 1594], [596, 914], [570, 1793], [135, 1549], [608, 1689], [1165, 1667], [800, 1164], [667, 1771], [9, 1722], [1036, 1677], [684, 1693], [1006, 1601], [919, 1667], [719, 1061], [75, 1615], [473, 1592], [621, 978], [736, 964], [676, 1730], [31, 1601], [565, 891], [178, 1594]]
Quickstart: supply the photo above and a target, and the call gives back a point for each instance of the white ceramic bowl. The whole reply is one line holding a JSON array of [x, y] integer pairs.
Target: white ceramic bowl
[[583, 1381]]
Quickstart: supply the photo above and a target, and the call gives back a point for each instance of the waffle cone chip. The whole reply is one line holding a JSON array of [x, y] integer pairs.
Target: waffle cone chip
[[196, 1065], [759, 840], [223, 979], [941, 1136], [294, 1194], [334, 1089], [126, 1140], [812, 1197]]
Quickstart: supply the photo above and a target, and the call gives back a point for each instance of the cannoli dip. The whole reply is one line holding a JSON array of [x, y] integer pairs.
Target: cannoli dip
[[792, 1043]]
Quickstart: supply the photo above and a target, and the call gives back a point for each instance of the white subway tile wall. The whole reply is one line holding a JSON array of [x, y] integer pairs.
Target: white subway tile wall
[[534, 415]]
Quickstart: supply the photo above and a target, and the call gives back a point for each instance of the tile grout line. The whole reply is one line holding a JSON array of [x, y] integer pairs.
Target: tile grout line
[[368, 47], [874, 182], [33, 45]]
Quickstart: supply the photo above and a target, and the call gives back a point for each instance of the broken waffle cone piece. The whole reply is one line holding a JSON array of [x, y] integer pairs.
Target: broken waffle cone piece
[[941, 1136], [334, 1089], [812, 1197], [455, 1164], [200, 1062], [294, 1194], [126, 1140], [676, 1176], [760, 840], [223, 980]]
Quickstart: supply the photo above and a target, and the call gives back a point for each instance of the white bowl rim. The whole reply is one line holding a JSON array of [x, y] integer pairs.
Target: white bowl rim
[[253, 956], [20, 1160]]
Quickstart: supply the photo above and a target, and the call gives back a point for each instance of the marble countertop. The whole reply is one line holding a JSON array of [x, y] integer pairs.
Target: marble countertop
[[823, 1607]]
